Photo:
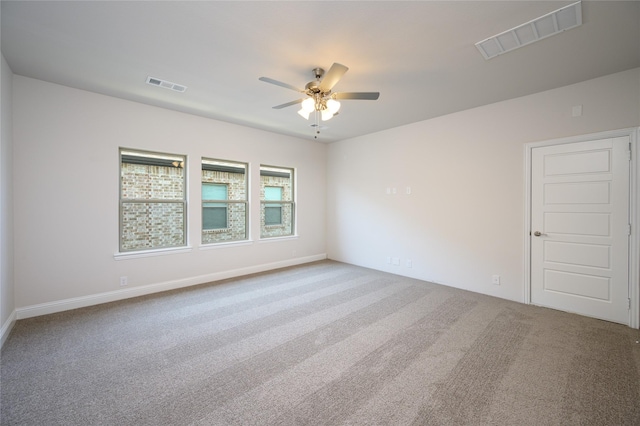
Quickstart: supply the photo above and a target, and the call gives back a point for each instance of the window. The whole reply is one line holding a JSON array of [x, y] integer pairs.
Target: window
[[153, 203], [214, 215], [224, 201], [276, 219], [272, 212]]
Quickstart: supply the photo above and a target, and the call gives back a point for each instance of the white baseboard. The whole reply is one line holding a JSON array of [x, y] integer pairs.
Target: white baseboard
[[112, 296], [6, 327]]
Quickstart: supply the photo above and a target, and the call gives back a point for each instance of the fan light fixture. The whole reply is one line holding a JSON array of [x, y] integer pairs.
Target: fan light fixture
[[320, 100], [327, 108]]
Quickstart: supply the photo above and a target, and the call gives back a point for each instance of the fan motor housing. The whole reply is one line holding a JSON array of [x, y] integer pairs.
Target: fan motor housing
[[313, 86]]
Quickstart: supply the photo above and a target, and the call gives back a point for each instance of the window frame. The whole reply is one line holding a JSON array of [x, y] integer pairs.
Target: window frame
[[151, 158], [231, 166], [285, 172]]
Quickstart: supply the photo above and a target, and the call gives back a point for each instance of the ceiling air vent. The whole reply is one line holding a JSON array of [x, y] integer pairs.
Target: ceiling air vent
[[545, 26], [166, 84]]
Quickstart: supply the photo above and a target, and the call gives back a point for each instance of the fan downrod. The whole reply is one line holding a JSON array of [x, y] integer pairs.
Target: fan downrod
[[318, 72]]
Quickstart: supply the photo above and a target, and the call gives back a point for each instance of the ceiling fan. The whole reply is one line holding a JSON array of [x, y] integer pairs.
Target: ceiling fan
[[320, 99]]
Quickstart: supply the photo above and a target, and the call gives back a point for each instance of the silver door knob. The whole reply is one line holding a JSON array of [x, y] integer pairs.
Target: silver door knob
[[537, 233]]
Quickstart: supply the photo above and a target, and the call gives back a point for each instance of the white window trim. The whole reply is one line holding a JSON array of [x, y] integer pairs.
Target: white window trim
[[282, 238], [225, 244], [184, 201], [247, 167], [151, 253], [293, 202]]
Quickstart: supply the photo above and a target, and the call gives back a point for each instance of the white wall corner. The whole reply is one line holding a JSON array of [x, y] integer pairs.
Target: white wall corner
[[7, 327]]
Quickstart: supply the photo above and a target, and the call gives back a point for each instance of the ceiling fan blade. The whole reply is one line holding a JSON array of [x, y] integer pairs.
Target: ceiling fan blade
[[288, 104], [279, 83], [332, 76], [369, 96]]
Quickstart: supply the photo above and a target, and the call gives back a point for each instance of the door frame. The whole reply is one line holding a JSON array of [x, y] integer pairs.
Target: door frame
[[634, 212]]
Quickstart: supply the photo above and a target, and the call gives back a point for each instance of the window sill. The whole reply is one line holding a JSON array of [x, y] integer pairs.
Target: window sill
[[212, 246], [151, 253], [270, 239]]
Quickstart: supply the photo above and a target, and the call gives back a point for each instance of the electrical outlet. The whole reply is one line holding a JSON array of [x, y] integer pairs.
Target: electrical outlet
[[124, 281], [409, 263], [495, 280], [576, 111]]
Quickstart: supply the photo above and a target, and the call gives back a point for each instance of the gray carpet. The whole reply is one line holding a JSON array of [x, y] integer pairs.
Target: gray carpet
[[319, 344]]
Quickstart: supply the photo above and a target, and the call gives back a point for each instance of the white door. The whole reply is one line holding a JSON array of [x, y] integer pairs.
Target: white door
[[580, 228]]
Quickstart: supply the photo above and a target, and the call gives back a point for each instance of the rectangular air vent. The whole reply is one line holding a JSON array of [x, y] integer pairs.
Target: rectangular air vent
[[166, 84], [545, 26]]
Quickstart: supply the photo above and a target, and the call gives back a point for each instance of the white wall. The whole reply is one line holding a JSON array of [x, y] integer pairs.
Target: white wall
[[463, 220], [66, 196], [7, 313]]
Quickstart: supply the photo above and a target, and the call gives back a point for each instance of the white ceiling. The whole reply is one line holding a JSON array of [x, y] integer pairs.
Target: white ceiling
[[420, 55]]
